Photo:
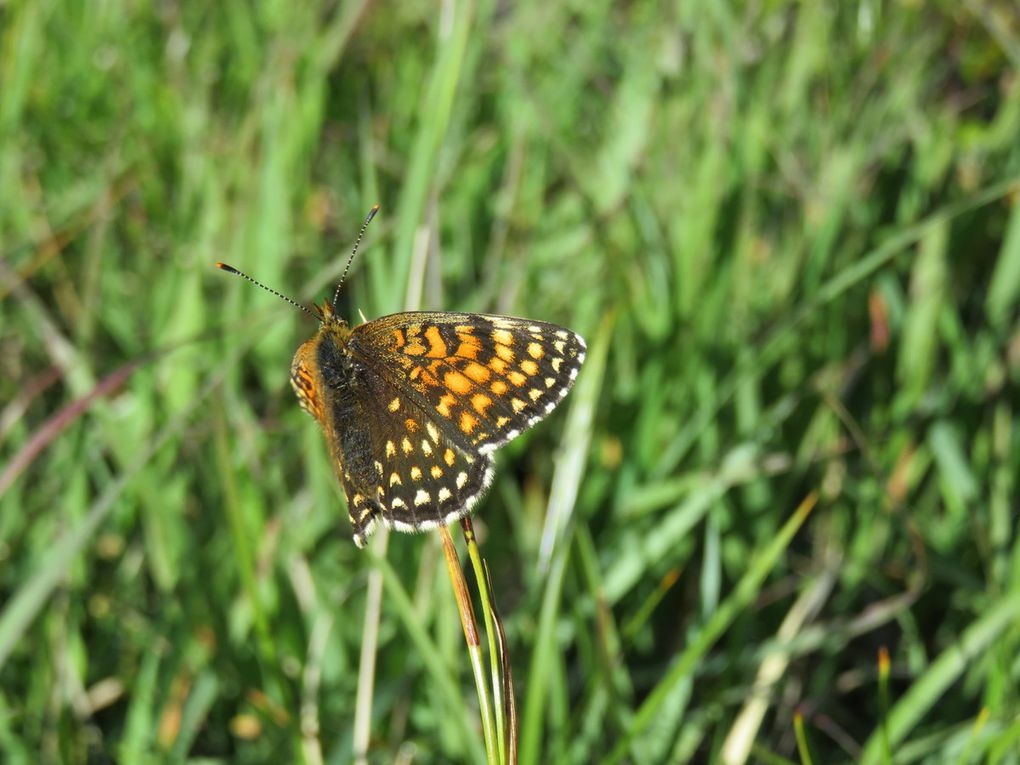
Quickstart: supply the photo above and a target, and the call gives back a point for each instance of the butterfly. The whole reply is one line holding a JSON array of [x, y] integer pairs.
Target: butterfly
[[413, 404]]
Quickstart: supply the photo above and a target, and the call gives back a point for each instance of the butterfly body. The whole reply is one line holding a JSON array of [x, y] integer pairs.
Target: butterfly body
[[412, 404]]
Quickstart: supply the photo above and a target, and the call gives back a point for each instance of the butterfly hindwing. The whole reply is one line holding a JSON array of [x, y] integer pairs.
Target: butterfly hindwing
[[396, 463]]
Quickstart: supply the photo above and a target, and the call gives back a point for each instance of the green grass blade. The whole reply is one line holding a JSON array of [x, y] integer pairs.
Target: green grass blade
[[924, 694]]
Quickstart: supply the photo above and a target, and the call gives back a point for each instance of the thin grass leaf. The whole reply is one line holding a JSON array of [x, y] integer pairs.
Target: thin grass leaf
[[924, 694], [743, 594]]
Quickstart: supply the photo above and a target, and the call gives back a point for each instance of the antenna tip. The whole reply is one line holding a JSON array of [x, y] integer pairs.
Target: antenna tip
[[225, 267]]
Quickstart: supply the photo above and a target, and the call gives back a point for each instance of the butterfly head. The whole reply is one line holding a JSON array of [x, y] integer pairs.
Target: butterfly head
[[330, 323]]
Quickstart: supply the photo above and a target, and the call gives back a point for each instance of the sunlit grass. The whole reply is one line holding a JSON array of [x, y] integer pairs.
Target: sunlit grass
[[789, 233]]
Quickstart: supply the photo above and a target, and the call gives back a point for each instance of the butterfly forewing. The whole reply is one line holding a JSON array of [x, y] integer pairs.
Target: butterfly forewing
[[484, 378]]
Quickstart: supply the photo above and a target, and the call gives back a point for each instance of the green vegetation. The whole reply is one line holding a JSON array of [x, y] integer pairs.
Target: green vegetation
[[790, 234]]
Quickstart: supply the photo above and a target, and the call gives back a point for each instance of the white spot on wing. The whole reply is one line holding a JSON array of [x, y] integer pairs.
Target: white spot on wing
[[456, 510], [361, 538]]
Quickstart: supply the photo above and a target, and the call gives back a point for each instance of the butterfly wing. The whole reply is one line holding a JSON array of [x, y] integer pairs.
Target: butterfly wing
[[395, 462], [483, 378]]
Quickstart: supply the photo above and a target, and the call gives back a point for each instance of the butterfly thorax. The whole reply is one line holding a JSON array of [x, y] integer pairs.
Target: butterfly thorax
[[332, 325]]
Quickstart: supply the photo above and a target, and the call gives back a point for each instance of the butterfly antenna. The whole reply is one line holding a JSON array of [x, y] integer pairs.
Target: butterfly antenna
[[354, 251], [257, 283]]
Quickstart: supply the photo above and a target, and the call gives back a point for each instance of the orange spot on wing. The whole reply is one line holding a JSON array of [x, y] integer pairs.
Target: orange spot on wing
[[437, 347], [398, 338], [497, 365], [535, 350], [445, 402], [502, 336], [477, 372], [468, 422], [467, 351], [411, 425], [504, 352], [529, 366], [498, 387], [415, 349], [426, 375], [449, 457], [481, 402], [303, 383], [517, 378], [457, 383], [469, 343]]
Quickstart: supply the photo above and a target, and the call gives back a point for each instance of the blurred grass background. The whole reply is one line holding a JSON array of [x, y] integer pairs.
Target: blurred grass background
[[790, 234]]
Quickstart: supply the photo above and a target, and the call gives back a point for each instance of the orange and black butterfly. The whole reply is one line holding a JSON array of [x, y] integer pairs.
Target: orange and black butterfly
[[412, 404]]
